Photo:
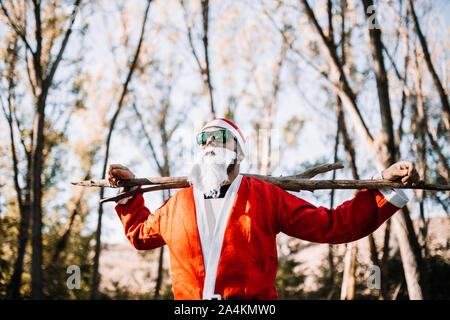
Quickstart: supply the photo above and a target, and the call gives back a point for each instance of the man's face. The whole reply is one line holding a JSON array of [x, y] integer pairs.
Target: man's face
[[214, 159], [230, 143]]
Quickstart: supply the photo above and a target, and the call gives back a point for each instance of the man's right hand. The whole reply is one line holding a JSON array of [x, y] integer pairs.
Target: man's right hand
[[118, 172]]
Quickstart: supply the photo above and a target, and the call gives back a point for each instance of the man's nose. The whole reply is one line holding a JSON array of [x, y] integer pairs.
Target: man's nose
[[209, 141]]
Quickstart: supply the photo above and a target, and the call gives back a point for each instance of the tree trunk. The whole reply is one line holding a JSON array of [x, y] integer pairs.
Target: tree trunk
[[431, 69], [331, 267], [414, 276], [384, 261], [206, 73], [36, 196], [348, 282], [376, 48], [164, 170], [24, 232], [159, 278], [409, 260], [419, 126]]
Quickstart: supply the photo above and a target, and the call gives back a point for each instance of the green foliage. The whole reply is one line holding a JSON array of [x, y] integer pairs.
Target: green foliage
[[7, 227], [167, 293], [121, 292], [325, 284], [439, 277], [78, 253], [289, 281]]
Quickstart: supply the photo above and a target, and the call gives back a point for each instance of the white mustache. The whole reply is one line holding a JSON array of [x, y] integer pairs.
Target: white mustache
[[219, 155]]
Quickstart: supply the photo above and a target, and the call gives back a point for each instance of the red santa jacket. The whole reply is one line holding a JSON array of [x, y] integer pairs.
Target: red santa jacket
[[248, 261]]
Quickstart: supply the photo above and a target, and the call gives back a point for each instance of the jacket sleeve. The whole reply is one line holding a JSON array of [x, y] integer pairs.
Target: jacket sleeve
[[350, 221], [142, 228]]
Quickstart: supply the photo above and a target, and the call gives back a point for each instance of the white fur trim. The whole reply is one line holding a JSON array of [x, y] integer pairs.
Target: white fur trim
[[395, 196], [213, 238], [125, 200]]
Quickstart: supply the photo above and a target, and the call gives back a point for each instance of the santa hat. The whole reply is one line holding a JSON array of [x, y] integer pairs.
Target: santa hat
[[230, 126]]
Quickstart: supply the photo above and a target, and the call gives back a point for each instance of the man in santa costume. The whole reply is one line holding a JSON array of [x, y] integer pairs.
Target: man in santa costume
[[221, 231]]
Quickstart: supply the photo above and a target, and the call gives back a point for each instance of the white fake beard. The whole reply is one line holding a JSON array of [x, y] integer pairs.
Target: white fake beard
[[209, 171]]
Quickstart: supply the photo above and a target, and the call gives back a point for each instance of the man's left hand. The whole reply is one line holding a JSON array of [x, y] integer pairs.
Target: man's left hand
[[404, 170]]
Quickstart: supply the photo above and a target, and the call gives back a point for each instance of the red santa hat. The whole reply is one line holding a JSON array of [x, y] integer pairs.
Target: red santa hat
[[230, 126]]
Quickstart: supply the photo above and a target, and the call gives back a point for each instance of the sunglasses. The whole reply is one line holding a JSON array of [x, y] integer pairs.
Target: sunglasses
[[220, 136]]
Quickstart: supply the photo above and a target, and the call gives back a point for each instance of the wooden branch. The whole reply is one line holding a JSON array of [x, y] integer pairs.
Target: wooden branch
[[127, 194], [309, 173], [312, 172], [290, 183], [293, 184]]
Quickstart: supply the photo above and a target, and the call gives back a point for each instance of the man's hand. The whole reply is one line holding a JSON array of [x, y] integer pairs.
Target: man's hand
[[118, 172], [403, 170]]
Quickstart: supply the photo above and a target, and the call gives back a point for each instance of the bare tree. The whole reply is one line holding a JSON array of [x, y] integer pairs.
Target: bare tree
[[384, 156], [23, 201], [120, 103], [204, 67], [164, 167], [437, 82], [268, 110], [44, 65], [414, 271]]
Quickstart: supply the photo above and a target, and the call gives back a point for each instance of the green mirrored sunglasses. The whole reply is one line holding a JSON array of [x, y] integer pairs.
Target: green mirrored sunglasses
[[220, 136]]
